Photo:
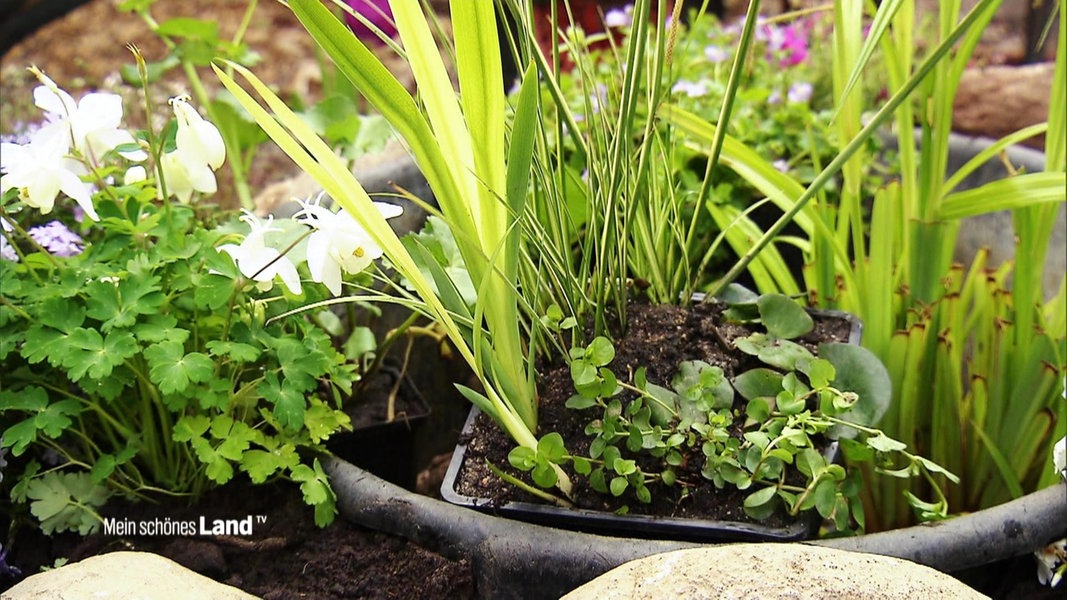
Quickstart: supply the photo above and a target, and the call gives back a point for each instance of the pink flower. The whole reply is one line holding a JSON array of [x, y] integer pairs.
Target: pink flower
[[795, 46]]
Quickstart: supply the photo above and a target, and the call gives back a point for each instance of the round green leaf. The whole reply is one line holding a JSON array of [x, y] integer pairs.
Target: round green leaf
[[859, 371], [600, 351], [783, 317], [758, 383], [760, 497]]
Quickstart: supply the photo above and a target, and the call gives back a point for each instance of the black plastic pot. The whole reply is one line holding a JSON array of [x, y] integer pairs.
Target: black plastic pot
[[388, 448], [630, 525], [513, 559], [643, 526]]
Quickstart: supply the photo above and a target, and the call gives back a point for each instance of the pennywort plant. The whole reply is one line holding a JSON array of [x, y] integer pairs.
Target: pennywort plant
[[144, 347], [759, 429], [477, 168]]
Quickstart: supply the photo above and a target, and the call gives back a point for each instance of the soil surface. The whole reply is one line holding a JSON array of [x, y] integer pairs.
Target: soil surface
[[658, 338], [286, 556]]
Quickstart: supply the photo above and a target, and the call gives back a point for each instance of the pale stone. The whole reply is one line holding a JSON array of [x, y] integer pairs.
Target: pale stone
[[122, 575], [997, 100], [761, 571]]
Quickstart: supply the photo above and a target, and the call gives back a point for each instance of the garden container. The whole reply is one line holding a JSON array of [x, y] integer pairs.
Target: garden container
[[641, 525], [386, 448]]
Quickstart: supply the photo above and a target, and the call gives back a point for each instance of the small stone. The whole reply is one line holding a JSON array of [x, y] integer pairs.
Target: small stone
[[139, 575], [757, 571]]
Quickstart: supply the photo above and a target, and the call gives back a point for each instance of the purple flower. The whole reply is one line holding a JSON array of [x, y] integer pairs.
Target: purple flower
[[599, 99], [7, 570], [716, 54], [24, 132], [781, 164], [377, 13], [57, 239], [799, 92], [775, 98], [7, 251]]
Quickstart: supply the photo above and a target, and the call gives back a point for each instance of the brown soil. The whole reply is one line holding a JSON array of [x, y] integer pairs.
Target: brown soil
[[657, 338], [287, 556]]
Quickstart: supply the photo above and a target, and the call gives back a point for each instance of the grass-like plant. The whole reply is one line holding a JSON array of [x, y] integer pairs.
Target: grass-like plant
[[479, 180], [977, 369], [535, 238]]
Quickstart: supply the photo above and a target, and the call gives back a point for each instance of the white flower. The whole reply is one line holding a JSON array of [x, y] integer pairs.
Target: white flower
[[41, 169], [781, 164], [134, 174], [260, 262], [1051, 563], [689, 88], [91, 124], [619, 17], [199, 150], [1059, 457], [339, 243]]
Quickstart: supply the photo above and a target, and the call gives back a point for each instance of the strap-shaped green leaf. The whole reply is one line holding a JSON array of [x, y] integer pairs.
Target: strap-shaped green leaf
[[382, 89], [1004, 194]]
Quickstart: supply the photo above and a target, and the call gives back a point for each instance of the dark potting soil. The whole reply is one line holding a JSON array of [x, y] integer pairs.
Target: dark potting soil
[[385, 387], [286, 556], [658, 338]]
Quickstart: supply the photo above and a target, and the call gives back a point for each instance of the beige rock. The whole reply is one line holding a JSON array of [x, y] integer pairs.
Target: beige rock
[[125, 576], [998, 100], [761, 571]]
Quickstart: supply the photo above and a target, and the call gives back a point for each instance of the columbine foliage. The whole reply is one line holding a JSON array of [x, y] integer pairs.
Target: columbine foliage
[[753, 431], [152, 353]]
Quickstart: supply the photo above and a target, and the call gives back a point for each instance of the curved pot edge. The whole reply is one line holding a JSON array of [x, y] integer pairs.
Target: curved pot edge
[[509, 553]]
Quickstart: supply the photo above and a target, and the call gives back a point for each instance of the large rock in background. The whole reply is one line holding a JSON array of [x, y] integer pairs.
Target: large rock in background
[[138, 575], [997, 100]]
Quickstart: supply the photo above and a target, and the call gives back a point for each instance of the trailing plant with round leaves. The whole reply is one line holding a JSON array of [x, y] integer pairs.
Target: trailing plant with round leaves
[[756, 431]]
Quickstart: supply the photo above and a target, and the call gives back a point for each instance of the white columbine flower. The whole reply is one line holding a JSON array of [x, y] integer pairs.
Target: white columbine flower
[[134, 174], [199, 150], [91, 125], [260, 262], [338, 243], [41, 169]]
